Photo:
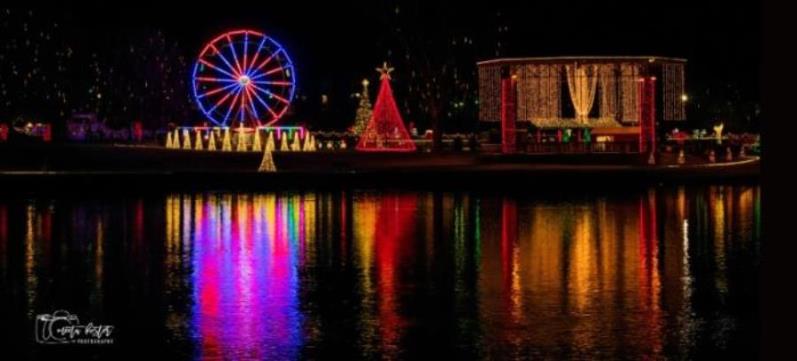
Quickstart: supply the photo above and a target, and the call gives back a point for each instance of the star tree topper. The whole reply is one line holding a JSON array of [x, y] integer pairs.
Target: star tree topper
[[385, 71]]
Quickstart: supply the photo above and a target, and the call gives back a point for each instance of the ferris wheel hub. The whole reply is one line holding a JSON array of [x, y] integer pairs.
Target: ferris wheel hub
[[243, 80]]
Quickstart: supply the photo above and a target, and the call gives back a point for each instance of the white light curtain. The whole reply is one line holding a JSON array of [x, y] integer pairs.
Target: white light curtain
[[582, 80]]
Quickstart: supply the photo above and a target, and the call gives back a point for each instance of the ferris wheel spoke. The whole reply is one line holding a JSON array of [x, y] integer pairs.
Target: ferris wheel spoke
[[265, 104], [280, 98], [267, 73], [246, 52], [275, 96], [265, 62], [272, 71], [217, 90], [271, 94], [215, 80], [210, 65], [220, 102], [234, 56], [226, 61], [277, 83], [251, 102], [232, 105], [242, 107], [250, 66]]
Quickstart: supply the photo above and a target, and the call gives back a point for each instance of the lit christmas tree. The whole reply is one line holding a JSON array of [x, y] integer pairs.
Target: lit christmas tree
[[313, 147], [284, 143], [267, 164], [364, 110], [241, 145], [257, 144], [385, 131], [198, 142], [212, 140], [296, 146], [226, 142], [186, 140], [270, 141]]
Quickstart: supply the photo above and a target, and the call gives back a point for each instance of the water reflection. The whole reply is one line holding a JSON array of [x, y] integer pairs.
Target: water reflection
[[666, 272], [244, 253]]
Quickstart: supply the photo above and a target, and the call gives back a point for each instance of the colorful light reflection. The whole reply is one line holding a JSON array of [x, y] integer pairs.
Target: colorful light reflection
[[245, 276]]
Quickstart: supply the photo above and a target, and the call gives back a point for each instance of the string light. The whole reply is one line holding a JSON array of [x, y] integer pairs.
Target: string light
[[540, 86], [608, 89], [386, 130], [629, 75], [582, 82], [489, 92], [674, 96]]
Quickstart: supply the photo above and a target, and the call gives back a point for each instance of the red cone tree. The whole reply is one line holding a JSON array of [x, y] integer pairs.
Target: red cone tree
[[385, 131]]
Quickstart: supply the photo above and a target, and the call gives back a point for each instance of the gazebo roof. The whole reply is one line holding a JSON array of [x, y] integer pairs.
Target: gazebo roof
[[583, 59]]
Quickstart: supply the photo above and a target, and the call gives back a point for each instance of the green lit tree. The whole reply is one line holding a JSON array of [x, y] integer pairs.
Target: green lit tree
[[364, 110]]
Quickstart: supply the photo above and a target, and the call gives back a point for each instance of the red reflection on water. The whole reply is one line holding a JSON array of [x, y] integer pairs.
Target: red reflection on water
[[246, 282], [138, 222], [3, 231], [509, 276], [395, 223], [649, 282], [47, 226]]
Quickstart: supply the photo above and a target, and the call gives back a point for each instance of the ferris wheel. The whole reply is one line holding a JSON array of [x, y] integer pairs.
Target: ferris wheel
[[243, 77]]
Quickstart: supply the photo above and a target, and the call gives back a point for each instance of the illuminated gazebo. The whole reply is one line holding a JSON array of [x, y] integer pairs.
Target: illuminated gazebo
[[614, 98]]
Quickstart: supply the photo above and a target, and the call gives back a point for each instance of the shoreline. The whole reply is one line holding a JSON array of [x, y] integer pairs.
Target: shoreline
[[65, 167], [492, 176]]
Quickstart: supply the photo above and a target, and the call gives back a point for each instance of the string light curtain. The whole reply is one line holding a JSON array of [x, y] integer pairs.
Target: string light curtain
[[674, 106], [527, 83], [539, 92], [549, 94], [608, 84], [582, 81], [489, 93], [629, 75]]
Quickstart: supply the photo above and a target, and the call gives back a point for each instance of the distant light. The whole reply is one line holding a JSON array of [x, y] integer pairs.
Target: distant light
[[684, 98]]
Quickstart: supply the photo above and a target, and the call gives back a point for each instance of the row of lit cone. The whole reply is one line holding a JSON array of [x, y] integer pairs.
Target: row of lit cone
[[296, 145], [712, 157]]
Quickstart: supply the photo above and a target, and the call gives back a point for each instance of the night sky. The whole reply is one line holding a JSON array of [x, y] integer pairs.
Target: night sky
[[336, 44]]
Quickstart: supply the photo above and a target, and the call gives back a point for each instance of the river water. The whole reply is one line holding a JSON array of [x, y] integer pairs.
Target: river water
[[660, 272]]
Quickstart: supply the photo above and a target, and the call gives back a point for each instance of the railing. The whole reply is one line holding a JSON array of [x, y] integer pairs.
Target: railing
[[592, 147]]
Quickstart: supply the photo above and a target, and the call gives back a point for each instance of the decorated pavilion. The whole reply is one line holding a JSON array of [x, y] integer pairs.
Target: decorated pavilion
[[598, 99]]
